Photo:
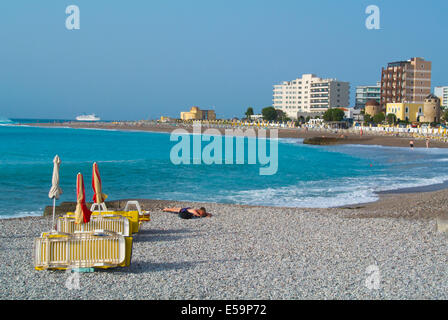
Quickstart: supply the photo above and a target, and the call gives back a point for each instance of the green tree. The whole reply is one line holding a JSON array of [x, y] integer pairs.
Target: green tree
[[445, 115], [333, 114], [249, 112], [391, 118], [338, 115], [367, 118], [281, 116], [379, 118], [328, 115], [269, 114]]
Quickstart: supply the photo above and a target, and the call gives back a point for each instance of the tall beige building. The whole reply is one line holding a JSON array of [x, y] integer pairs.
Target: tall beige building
[[406, 81], [310, 95]]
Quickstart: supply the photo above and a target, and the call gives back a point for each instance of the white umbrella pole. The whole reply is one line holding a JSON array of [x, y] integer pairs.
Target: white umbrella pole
[[54, 212]]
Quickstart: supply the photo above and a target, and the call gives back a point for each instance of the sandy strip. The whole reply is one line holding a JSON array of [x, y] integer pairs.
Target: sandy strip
[[246, 252]]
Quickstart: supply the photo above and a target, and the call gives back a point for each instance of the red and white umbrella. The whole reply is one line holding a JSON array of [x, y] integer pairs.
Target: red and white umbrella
[[82, 213], [98, 195]]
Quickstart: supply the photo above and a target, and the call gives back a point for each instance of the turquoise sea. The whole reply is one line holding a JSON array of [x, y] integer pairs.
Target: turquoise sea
[[137, 165]]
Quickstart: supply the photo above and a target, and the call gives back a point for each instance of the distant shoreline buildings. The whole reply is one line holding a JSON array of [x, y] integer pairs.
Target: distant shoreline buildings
[[405, 81], [428, 111], [442, 94], [310, 95], [197, 114], [366, 93], [404, 90]]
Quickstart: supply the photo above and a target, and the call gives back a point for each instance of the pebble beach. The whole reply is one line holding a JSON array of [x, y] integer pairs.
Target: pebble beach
[[246, 252]]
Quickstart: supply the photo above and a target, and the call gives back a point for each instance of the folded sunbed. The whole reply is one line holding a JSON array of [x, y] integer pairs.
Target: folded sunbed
[[113, 223], [100, 249], [132, 216]]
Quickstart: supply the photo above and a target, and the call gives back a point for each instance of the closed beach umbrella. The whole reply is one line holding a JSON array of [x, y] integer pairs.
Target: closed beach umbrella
[[98, 196], [55, 190], [82, 213]]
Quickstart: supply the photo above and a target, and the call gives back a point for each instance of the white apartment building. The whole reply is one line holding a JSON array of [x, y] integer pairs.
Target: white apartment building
[[442, 93], [310, 95]]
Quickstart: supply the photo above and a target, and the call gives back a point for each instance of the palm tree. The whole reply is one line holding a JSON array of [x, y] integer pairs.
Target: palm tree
[[249, 112]]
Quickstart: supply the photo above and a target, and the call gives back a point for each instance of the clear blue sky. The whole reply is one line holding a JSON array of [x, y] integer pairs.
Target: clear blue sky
[[140, 59]]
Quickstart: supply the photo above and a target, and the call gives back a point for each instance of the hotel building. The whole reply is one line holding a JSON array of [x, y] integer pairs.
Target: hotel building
[[366, 93], [405, 81], [310, 95], [442, 93]]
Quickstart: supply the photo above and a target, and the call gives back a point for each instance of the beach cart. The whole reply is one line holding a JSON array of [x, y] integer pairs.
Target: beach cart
[[99, 249]]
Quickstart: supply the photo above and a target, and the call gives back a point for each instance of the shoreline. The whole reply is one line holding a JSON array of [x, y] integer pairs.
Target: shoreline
[[414, 196], [283, 133], [297, 133]]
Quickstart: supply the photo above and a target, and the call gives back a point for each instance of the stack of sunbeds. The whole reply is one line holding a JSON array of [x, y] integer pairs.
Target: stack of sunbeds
[[103, 241]]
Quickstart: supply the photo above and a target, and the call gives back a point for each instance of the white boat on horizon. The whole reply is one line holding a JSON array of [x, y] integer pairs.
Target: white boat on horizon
[[88, 117]]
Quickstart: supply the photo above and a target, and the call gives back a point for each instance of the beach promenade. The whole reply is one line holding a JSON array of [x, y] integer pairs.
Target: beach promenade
[[247, 252]]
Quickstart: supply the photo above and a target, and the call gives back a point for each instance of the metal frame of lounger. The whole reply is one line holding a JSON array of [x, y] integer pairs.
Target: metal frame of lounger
[[101, 205], [114, 223], [143, 215], [82, 250]]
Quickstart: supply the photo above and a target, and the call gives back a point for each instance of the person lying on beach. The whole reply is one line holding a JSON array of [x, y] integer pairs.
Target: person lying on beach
[[188, 213]]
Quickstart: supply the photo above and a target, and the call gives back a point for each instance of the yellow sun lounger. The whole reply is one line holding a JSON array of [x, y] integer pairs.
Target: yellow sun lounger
[[132, 216], [143, 216], [82, 250], [114, 223]]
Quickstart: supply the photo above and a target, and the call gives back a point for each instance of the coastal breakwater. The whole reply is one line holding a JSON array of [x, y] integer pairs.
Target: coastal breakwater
[[325, 140], [322, 141]]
